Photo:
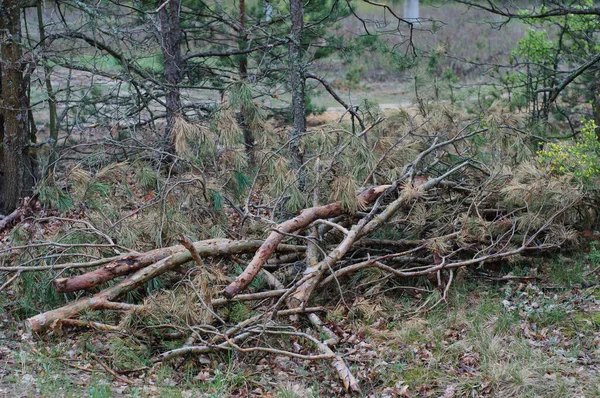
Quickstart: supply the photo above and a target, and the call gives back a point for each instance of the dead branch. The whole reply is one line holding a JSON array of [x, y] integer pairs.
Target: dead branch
[[226, 337], [132, 262], [249, 297], [90, 325], [305, 218], [48, 319], [187, 243], [9, 281], [6, 221], [366, 225], [90, 264], [112, 372]]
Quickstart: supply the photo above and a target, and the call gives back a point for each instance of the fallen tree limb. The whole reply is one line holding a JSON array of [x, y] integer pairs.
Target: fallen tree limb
[[364, 264], [133, 262], [189, 245], [227, 336], [90, 325], [313, 275], [90, 264], [9, 281], [112, 372], [249, 297], [305, 218], [102, 299], [113, 270], [6, 221]]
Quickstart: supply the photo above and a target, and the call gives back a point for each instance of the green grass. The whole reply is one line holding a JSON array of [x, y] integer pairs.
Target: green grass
[[567, 272], [521, 351]]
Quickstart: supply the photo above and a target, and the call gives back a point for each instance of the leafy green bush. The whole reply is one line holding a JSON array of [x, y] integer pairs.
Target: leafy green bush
[[580, 158]]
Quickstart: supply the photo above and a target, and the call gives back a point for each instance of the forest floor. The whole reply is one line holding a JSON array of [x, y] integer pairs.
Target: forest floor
[[530, 332]]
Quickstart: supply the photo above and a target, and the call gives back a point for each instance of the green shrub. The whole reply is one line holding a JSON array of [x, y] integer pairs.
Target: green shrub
[[580, 158]]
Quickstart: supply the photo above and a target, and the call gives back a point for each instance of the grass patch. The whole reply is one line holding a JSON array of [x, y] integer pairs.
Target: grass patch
[[567, 272]]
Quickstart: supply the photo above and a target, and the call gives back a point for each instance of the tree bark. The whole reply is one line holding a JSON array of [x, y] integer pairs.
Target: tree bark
[[1, 129], [596, 104], [297, 83], [53, 126], [14, 107], [243, 65], [243, 70], [171, 48], [103, 299]]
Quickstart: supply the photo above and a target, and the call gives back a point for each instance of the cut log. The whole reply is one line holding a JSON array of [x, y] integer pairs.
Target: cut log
[[305, 218], [111, 271]]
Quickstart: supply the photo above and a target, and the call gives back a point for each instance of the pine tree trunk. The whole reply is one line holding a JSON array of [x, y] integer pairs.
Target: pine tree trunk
[[16, 162], [53, 126], [243, 70], [596, 104], [171, 48], [297, 82], [1, 132]]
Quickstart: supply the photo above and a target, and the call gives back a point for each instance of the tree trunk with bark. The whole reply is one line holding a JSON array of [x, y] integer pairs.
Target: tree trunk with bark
[[143, 270], [16, 162], [53, 125], [170, 29], [243, 70], [297, 83]]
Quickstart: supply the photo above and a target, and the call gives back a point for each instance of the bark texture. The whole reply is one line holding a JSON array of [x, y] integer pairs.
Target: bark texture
[[103, 299], [243, 70], [52, 123], [297, 83], [171, 34], [14, 108], [137, 261]]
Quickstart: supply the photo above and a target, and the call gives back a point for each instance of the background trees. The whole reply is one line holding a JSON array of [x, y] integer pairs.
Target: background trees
[[127, 67], [557, 58]]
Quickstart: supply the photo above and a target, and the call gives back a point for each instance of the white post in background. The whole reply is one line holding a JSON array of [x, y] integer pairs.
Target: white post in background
[[268, 11], [411, 10]]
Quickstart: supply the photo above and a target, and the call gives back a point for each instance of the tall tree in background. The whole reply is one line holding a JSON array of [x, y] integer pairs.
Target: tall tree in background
[[297, 83], [52, 114], [243, 70], [170, 25], [17, 164]]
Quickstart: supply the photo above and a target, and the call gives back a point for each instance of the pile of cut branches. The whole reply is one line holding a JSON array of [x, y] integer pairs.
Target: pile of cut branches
[[437, 217]]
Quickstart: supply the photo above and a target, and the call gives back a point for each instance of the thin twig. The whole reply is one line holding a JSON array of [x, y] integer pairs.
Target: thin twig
[[112, 372]]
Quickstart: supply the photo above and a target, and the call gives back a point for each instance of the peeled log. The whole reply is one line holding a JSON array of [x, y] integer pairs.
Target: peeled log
[[111, 271], [102, 300], [305, 218], [137, 261]]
